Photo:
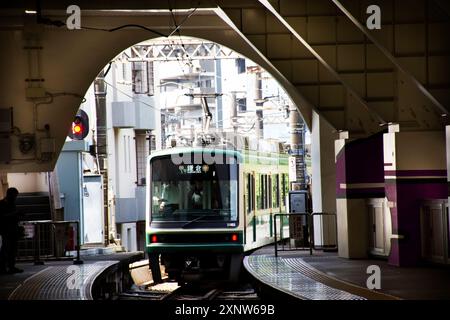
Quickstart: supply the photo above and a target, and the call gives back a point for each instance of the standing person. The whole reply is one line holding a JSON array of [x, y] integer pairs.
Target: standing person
[[170, 197], [195, 196], [9, 229]]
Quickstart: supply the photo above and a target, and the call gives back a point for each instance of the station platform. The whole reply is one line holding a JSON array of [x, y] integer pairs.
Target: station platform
[[325, 276], [99, 277]]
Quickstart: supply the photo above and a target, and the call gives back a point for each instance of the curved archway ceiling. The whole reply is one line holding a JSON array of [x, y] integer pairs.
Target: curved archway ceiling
[[356, 79], [337, 68]]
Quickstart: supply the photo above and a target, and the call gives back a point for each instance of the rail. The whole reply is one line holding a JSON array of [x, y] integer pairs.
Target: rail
[[37, 234], [309, 230]]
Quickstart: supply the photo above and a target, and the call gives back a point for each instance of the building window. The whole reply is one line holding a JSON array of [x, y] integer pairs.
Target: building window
[[143, 143], [139, 77], [152, 143], [125, 157], [143, 77], [242, 104], [124, 72], [129, 153], [150, 78], [240, 65]]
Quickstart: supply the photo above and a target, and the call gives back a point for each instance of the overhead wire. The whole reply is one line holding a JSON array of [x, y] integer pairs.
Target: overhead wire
[[178, 31], [140, 101], [126, 26], [59, 23], [182, 22]]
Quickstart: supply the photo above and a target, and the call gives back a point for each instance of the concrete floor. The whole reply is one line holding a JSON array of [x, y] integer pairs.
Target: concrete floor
[[431, 282], [9, 282], [416, 283]]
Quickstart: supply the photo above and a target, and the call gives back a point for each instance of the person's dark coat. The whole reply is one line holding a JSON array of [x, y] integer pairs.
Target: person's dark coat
[[9, 219]]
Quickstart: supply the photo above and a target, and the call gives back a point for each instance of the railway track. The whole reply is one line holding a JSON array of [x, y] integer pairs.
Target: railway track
[[170, 291]]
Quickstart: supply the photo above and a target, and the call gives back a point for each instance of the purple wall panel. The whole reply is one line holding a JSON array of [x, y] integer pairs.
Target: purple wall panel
[[365, 159], [408, 196], [361, 161]]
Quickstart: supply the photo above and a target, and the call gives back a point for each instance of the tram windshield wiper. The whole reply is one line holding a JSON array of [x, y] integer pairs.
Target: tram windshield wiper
[[196, 219]]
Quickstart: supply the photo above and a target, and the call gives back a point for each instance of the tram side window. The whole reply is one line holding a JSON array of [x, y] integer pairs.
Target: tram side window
[[249, 207], [258, 191], [263, 191], [284, 188], [275, 191], [246, 194]]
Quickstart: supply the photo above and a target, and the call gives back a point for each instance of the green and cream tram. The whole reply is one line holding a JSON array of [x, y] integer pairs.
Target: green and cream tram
[[207, 206]]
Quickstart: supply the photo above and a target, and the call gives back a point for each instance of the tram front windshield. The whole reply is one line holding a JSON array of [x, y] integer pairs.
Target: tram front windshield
[[193, 194]]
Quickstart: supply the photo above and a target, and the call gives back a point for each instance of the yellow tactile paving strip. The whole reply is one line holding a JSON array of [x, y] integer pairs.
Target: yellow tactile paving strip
[[297, 278], [311, 272]]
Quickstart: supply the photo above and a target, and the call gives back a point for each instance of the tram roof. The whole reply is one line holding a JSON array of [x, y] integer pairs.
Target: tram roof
[[180, 150], [242, 155]]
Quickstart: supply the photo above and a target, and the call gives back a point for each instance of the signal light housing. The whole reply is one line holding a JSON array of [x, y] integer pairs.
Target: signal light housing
[[77, 128], [80, 126]]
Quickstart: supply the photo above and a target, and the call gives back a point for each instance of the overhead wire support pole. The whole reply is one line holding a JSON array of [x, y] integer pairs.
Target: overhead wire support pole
[[102, 152], [259, 102]]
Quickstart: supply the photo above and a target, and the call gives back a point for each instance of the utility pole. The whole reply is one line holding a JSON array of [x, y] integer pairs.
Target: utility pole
[[297, 151], [259, 126], [234, 111], [102, 151], [219, 109]]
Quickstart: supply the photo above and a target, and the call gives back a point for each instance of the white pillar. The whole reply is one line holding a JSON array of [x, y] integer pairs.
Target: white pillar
[[323, 180], [341, 204]]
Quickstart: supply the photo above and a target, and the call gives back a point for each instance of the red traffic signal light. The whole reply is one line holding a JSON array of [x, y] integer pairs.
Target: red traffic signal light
[[77, 126], [77, 129], [80, 126]]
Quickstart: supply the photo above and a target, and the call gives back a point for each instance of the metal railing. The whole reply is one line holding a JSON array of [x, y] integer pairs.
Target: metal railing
[[48, 239], [307, 239], [281, 216]]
